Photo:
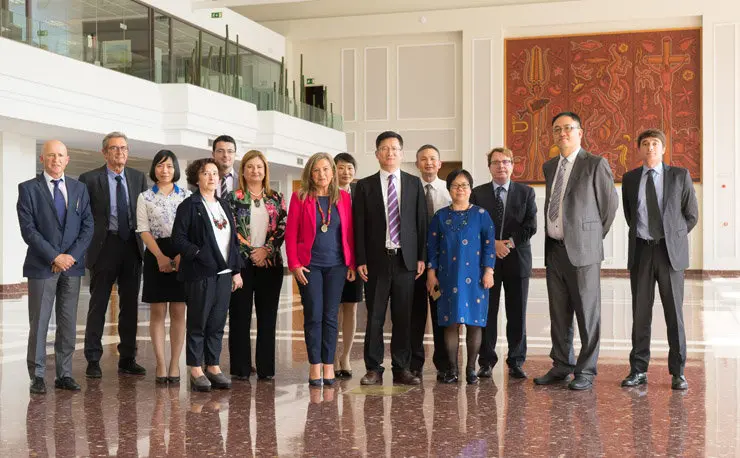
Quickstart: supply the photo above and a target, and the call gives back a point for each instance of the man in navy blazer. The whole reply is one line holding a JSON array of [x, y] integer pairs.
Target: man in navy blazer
[[56, 223]]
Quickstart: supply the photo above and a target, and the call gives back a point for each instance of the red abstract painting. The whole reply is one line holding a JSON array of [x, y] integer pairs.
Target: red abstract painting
[[619, 84]]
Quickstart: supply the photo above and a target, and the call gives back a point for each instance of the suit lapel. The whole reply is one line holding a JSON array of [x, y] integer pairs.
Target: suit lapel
[[45, 193], [377, 196], [105, 193], [510, 200], [204, 213], [667, 183], [72, 199]]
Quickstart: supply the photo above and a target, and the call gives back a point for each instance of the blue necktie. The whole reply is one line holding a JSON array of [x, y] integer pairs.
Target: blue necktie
[[59, 203], [124, 231]]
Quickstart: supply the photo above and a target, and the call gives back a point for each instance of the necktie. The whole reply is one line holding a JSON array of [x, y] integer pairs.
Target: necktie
[[430, 202], [655, 222], [124, 230], [59, 203], [498, 217], [557, 191], [394, 216], [224, 188]]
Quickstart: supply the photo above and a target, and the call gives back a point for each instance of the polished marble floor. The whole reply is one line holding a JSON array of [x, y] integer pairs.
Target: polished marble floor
[[129, 416]]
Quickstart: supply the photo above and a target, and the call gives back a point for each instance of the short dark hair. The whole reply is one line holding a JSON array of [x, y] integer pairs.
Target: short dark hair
[[386, 135], [652, 133], [345, 157], [455, 173], [195, 167], [223, 138], [161, 156], [570, 114], [427, 146]]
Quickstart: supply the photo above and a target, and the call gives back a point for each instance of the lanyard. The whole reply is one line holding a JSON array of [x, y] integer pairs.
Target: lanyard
[[324, 221]]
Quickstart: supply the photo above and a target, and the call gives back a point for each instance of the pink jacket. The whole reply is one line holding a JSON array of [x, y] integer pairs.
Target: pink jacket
[[300, 230]]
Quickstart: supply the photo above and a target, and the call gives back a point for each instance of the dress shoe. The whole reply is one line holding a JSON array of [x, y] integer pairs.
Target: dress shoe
[[38, 386], [635, 379], [129, 366], [405, 377], [417, 373], [372, 378], [200, 383], [450, 377], [343, 374], [679, 382], [239, 377], [580, 383], [265, 377], [517, 372], [485, 372], [550, 378], [330, 381], [67, 383], [93, 370], [472, 378], [441, 375], [173, 380], [219, 381], [315, 382]]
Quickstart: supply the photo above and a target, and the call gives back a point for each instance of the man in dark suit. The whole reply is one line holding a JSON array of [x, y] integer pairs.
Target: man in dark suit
[[115, 254], [580, 204], [514, 213], [390, 220], [661, 209], [56, 223]]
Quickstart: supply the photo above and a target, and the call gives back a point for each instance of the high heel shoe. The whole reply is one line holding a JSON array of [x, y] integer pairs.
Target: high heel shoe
[[450, 377], [472, 377], [330, 381], [315, 382]]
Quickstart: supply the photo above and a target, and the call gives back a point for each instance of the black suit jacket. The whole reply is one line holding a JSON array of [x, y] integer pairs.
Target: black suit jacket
[[520, 224], [97, 186], [370, 216], [680, 212], [192, 237]]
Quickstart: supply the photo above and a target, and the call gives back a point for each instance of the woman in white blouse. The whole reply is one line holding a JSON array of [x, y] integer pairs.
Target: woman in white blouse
[[155, 215]]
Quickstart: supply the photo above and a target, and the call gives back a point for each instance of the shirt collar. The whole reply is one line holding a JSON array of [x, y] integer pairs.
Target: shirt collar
[[505, 186], [572, 157], [384, 175], [230, 173], [176, 189], [437, 183], [113, 174], [49, 178], [658, 169]]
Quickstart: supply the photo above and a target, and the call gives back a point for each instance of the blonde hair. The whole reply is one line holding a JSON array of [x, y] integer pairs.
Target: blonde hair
[[307, 186], [248, 156], [503, 150]]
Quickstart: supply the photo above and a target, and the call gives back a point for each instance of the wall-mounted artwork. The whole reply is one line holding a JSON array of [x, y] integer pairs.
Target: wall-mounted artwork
[[619, 84]]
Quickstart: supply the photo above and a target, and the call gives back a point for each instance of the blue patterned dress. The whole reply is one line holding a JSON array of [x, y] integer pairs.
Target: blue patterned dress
[[460, 245]]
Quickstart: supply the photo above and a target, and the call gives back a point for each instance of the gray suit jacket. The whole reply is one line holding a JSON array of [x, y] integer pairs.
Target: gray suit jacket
[[590, 202], [680, 212]]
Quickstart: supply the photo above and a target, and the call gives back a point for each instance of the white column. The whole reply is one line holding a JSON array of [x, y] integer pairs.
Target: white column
[[183, 182], [17, 164]]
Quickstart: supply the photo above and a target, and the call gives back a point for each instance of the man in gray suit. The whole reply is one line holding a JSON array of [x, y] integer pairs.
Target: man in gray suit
[[661, 209], [580, 204], [56, 223]]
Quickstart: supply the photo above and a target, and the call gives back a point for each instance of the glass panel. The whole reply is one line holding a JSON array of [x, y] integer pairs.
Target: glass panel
[[184, 44], [161, 48]]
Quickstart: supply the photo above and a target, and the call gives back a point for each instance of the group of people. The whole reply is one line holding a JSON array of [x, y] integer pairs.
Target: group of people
[[417, 244]]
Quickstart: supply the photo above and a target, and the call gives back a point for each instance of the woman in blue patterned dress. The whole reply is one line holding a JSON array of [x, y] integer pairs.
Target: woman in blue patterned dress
[[462, 255]]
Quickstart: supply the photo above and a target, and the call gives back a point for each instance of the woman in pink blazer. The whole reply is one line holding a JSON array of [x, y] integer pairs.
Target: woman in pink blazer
[[319, 241]]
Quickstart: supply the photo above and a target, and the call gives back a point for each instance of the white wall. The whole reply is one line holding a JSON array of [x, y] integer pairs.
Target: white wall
[[715, 242]]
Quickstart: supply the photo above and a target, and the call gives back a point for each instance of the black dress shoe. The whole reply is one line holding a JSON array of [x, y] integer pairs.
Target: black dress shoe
[[679, 382], [219, 381], [315, 382], [265, 377], [38, 386], [173, 380], [580, 383], [67, 383], [417, 373], [450, 377], [372, 378], [635, 379], [330, 381], [161, 380], [343, 374], [129, 366], [550, 378], [200, 383], [485, 372], [441, 375], [405, 377], [517, 372], [472, 378], [93, 370], [239, 377]]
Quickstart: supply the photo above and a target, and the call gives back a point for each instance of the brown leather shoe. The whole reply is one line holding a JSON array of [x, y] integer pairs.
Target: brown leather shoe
[[372, 378], [406, 378]]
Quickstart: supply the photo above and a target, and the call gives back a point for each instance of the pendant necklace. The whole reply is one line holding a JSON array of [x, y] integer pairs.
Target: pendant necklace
[[324, 221], [219, 224], [259, 195]]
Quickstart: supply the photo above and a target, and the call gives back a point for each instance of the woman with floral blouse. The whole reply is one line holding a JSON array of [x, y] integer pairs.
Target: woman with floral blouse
[[260, 221]]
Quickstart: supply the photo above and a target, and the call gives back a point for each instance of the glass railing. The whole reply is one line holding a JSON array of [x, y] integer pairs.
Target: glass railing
[[117, 54]]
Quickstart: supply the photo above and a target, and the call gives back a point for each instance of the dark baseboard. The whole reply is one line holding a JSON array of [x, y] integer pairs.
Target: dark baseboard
[[690, 273]]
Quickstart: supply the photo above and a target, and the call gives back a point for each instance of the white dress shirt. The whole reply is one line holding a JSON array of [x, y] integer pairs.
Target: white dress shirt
[[440, 195], [62, 187], [223, 236], [384, 187], [504, 194], [230, 178], [555, 227], [642, 229]]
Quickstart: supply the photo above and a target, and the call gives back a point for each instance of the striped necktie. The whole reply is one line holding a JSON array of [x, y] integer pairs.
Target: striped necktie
[[224, 188], [394, 215], [557, 191]]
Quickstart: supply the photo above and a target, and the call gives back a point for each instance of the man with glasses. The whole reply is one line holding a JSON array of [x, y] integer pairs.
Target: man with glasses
[[390, 219], [224, 153], [580, 204], [514, 214], [115, 254]]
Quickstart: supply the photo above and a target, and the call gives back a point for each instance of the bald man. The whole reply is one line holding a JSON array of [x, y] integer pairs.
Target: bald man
[[57, 225]]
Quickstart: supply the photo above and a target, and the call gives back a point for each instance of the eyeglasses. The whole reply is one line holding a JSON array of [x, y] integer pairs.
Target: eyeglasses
[[462, 186], [227, 151], [505, 162], [116, 149], [568, 128], [387, 149]]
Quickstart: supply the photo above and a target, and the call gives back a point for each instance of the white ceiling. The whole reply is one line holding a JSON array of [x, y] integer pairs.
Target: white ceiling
[[338, 8]]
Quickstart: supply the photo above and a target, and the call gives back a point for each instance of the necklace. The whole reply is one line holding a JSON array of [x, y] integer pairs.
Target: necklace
[[220, 224], [259, 196], [324, 221]]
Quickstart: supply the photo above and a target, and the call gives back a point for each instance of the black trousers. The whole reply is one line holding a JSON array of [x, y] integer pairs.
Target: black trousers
[[422, 299], [390, 280], [119, 263], [207, 302], [515, 301], [651, 266], [262, 289]]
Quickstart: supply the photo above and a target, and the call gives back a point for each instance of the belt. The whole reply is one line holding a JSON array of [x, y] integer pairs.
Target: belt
[[557, 242], [393, 251], [650, 242]]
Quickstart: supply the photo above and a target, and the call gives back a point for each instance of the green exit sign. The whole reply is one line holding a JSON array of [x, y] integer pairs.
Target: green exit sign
[[309, 80], [216, 15], [42, 33]]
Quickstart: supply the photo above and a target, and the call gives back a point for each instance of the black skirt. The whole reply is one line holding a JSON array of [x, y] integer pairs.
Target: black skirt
[[352, 291], [160, 286]]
